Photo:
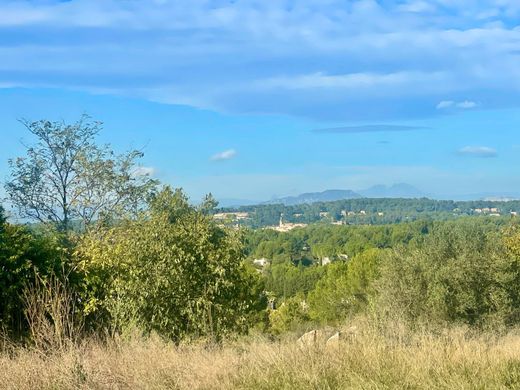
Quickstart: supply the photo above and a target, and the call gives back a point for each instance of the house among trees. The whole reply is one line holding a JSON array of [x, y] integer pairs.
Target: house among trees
[[261, 262]]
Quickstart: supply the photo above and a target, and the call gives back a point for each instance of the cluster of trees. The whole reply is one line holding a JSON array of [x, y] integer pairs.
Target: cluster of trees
[[133, 254], [378, 211], [423, 273], [318, 241]]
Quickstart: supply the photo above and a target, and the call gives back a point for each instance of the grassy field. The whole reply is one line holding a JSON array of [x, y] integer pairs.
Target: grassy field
[[372, 359]]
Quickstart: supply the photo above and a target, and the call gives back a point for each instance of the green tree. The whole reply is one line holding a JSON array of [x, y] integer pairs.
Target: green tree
[[291, 315], [345, 288], [463, 273], [66, 176], [172, 271]]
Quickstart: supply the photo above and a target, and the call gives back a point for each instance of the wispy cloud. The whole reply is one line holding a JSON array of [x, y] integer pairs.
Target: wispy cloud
[[445, 104], [367, 129], [225, 155], [418, 6], [466, 104], [350, 80], [206, 53], [478, 151]]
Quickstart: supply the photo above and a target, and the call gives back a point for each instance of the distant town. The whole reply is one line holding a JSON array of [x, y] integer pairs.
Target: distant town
[[360, 211]]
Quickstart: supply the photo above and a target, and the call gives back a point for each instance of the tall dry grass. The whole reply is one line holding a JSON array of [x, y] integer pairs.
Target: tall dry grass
[[373, 359], [53, 317]]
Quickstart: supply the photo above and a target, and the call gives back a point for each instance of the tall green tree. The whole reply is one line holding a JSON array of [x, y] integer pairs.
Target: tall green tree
[[66, 176]]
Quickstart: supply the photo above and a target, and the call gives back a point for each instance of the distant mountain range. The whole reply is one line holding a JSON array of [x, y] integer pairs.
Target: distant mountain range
[[401, 190], [313, 197]]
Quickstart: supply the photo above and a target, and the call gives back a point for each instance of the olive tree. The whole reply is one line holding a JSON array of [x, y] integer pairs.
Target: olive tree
[[65, 176]]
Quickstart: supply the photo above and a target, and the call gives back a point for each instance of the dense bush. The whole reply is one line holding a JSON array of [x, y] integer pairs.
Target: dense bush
[[25, 256], [346, 287], [285, 280], [464, 273], [292, 314], [172, 271]]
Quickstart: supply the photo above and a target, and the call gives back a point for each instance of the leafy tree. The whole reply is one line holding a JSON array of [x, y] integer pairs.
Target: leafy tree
[[172, 271], [345, 288], [286, 280], [291, 314], [66, 176]]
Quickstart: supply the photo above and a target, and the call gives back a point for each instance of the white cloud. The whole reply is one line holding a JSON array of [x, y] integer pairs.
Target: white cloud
[[225, 155], [445, 104], [352, 80], [418, 7], [466, 104], [145, 171], [478, 151], [253, 56]]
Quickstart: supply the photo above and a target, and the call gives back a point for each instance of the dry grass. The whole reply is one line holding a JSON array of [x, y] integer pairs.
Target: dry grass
[[453, 360]]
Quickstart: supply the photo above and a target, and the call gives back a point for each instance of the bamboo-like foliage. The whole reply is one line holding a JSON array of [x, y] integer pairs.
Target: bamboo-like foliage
[[53, 314]]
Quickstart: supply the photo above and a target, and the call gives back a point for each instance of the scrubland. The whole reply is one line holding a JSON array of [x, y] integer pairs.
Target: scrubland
[[374, 358]]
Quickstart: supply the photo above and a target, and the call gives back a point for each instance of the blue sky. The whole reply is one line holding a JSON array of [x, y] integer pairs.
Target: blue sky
[[252, 99]]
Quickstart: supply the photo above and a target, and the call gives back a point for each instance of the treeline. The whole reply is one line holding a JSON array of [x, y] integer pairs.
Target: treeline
[[113, 250], [373, 211]]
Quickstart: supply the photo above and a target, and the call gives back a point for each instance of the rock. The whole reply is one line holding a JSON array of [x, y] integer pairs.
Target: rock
[[309, 338], [333, 341]]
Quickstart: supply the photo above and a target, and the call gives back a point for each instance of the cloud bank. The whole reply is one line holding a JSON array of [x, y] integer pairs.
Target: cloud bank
[[331, 60], [466, 104]]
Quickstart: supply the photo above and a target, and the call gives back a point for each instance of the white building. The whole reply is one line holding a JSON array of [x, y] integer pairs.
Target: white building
[[261, 262]]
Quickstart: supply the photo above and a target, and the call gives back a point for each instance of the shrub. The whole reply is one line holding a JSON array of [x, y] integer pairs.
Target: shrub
[[345, 288], [25, 257], [462, 274], [291, 315], [172, 271]]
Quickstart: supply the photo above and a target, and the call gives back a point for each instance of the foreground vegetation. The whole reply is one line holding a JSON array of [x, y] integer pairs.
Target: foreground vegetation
[[372, 359], [124, 283]]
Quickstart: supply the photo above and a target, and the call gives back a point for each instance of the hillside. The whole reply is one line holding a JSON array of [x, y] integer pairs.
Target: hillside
[[314, 197]]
